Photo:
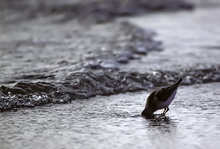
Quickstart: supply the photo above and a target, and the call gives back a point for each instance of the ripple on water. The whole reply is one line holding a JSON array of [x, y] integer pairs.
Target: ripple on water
[[92, 122]]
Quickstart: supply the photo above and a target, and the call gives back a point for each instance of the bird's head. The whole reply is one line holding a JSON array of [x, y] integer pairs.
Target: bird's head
[[147, 112]]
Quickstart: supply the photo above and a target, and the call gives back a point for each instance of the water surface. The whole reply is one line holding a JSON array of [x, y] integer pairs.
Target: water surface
[[115, 122], [46, 50]]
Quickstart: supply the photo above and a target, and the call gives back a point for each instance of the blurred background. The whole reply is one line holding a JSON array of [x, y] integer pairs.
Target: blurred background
[[76, 73]]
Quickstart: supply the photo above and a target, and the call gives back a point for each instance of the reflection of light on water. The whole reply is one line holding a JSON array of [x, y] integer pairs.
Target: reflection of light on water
[[115, 122], [163, 124], [161, 131]]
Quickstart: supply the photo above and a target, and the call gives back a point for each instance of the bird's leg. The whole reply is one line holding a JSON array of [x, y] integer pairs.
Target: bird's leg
[[165, 110]]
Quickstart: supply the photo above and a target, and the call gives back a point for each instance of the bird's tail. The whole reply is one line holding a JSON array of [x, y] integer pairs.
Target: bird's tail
[[174, 86], [178, 82]]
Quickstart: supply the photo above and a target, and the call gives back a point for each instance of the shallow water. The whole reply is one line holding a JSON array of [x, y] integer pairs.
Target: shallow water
[[115, 122], [190, 44]]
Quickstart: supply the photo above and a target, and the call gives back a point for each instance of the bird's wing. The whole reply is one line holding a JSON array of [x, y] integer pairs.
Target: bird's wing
[[164, 93], [151, 98]]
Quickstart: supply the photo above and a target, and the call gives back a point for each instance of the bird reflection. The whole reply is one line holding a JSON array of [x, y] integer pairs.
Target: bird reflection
[[161, 123]]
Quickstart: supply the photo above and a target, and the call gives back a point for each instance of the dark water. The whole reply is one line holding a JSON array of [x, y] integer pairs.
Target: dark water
[[68, 56]]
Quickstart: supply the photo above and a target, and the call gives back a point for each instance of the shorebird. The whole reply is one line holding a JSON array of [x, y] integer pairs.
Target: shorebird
[[160, 99]]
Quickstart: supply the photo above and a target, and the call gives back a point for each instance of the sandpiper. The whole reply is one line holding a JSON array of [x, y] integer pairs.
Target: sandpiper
[[160, 99]]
